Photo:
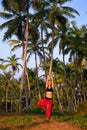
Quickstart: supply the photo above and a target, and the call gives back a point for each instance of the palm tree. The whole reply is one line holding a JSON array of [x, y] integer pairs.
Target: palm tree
[[74, 38], [39, 19], [6, 81], [5, 78], [18, 15], [58, 70], [57, 17], [15, 16], [24, 58], [13, 62], [35, 48]]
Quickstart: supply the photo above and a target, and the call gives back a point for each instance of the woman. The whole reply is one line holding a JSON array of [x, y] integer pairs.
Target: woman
[[47, 102]]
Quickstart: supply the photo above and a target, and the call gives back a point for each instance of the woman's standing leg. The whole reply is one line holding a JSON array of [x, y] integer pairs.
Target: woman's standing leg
[[49, 108]]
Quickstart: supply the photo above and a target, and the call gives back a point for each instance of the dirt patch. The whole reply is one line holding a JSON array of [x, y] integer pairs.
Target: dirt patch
[[51, 125], [36, 123]]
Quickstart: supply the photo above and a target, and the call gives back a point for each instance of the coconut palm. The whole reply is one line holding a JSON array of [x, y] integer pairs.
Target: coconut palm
[[57, 16], [35, 48], [13, 63], [74, 41], [17, 25], [39, 20], [15, 13], [15, 18], [6, 77]]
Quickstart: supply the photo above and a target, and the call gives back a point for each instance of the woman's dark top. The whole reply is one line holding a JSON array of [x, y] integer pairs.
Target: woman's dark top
[[49, 89]]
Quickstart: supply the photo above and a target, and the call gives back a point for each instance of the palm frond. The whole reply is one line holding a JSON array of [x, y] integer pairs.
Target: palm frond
[[13, 42], [6, 15], [71, 10]]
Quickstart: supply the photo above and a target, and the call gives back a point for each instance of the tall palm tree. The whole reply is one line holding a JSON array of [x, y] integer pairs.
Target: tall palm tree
[[13, 63], [35, 48], [15, 13], [39, 19], [18, 15], [15, 18], [76, 55], [57, 17], [6, 81], [24, 58]]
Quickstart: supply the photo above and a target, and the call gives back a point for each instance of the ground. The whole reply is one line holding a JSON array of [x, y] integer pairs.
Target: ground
[[33, 123], [52, 125]]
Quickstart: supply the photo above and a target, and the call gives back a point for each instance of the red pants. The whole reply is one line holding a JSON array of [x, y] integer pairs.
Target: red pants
[[46, 104]]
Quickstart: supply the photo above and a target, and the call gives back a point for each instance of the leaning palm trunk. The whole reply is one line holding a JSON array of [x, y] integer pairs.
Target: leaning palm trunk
[[23, 71], [51, 62], [24, 62]]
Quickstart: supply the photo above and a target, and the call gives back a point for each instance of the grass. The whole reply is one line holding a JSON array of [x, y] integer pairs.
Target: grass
[[81, 121], [14, 122], [24, 121], [79, 118]]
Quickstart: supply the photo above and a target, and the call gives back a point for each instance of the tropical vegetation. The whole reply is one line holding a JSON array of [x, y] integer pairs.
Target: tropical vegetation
[[39, 26]]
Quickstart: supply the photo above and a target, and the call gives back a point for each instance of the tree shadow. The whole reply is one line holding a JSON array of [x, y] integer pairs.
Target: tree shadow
[[5, 128], [37, 123]]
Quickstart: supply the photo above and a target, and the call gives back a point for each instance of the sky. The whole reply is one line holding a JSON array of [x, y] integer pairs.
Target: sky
[[79, 5]]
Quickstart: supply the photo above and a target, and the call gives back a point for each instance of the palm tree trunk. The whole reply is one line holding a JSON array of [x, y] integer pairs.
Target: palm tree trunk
[[26, 94], [12, 90], [0, 100], [60, 104], [51, 62], [82, 82], [39, 94], [75, 85], [29, 90], [21, 91], [24, 60], [7, 98], [66, 85], [43, 51]]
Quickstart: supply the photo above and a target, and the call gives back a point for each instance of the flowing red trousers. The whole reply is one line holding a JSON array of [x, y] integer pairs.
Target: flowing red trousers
[[46, 104]]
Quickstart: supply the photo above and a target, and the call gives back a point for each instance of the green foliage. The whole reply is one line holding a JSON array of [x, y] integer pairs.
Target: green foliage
[[53, 16], [80, 121], [35, 111], [15, 122]]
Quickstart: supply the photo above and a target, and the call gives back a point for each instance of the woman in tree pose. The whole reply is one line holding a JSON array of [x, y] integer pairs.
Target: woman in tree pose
[[47, 102]]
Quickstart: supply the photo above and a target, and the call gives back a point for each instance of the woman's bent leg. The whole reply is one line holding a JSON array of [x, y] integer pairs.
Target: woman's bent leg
[[42, 103]]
